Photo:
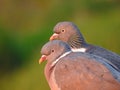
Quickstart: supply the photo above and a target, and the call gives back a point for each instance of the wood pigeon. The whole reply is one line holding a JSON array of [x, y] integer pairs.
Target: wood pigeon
[[68, 70], [70, 33]]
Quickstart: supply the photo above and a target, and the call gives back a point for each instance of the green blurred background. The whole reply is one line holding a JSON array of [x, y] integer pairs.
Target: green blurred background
[[26, 25]]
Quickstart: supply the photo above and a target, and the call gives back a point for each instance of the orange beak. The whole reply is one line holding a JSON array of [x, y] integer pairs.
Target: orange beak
[[54, 36], [43, 58]]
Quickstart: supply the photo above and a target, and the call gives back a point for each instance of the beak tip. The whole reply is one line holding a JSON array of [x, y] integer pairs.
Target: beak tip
[[39, 62], [53, 37], [42, 59]]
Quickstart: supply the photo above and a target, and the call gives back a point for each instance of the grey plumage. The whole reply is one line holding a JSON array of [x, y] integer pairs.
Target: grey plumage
[[108, 55]]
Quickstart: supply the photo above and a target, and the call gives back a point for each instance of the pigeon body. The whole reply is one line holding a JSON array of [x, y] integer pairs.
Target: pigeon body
[[70, 33], [68, 70]]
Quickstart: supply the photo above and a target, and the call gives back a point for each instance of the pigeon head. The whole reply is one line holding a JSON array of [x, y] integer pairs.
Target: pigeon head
[[68, 32], [52, 50]]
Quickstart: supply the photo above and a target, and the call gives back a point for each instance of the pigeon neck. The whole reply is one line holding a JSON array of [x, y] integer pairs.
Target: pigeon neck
[[63, 55], [77, 41], [50, 66]]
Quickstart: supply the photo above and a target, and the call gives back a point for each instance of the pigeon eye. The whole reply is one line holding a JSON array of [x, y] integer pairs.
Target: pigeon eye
[[63, 30], [52, 50]]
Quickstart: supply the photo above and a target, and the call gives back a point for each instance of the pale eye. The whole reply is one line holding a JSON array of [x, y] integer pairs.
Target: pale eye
[[63, 30]]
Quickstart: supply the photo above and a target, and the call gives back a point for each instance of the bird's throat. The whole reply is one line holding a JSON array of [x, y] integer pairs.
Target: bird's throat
[[76, 41]]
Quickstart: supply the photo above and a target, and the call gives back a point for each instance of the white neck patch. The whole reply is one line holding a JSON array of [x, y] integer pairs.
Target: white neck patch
[[79, 50], [60, 58]]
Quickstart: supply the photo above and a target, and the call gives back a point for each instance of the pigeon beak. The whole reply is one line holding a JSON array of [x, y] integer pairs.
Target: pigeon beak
[[54, 36], [43, 58]]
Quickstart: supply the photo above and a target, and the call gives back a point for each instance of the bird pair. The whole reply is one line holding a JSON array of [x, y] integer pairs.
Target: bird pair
[[74, 64]]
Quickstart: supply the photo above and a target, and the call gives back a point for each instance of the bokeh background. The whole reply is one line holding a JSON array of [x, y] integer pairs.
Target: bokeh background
[[26, 25]]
